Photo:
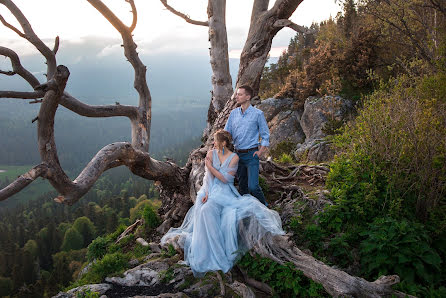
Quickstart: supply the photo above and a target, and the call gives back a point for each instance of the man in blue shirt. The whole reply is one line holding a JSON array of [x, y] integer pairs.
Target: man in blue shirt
[[247, 125]]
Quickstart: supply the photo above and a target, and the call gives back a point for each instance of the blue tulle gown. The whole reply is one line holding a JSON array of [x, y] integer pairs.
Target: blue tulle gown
[[216, 233]]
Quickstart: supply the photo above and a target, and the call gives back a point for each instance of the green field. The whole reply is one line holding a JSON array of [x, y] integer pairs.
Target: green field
[[32, 191]]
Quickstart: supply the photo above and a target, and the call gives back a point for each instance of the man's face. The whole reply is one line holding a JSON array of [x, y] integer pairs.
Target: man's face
[[241, 96]]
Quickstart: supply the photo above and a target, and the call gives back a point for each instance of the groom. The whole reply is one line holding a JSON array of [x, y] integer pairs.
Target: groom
[[246, 123]]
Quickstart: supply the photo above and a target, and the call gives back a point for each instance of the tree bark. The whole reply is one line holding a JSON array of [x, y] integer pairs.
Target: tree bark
[[221, 77]]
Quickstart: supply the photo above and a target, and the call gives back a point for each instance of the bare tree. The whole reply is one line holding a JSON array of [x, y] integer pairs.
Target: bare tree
[[51, 93], [177, 185]]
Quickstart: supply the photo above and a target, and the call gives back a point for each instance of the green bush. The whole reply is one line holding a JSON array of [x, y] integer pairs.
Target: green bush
[[285, 280], [97, 248], [87, 294], [151, 219], [285, 158], [281, 148], [399, 246], [110, 264]]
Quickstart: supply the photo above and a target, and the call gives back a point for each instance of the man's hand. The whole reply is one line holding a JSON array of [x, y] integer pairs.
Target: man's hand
[[260, 152], [205, 198]]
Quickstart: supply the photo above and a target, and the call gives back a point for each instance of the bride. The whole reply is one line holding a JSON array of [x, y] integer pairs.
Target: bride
[[222, 225]]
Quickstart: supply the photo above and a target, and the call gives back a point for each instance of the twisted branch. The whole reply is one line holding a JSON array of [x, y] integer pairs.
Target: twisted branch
[[17, 67], [28, 34], [183, 16]]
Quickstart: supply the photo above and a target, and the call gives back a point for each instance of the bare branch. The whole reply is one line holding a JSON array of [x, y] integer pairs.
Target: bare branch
[[22, 181], [7, 72], [258, 7], [17, 66], [141, 127], [22, 95], [56, 45], [134, 13], [283, 9], [32, 37], [6, 24], [183, 16], [83, 109], [336, 282], [287, 23], [110, 16]]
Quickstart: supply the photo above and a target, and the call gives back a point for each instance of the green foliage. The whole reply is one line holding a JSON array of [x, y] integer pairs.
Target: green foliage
[[5, 286], [263, 185], [284, 147], [73, 240], [86, 228], [32, 248], [285, 159], [285, 280], [170, 252], [151, 219], [400, 247], [87, 294], [97, 248], [166, 275], [110, 264]]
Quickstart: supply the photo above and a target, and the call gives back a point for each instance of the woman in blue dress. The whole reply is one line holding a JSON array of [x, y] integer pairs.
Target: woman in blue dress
[[222, 225]]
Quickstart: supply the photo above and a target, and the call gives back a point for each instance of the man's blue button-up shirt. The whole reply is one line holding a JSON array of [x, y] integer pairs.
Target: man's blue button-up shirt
[[246, 128]]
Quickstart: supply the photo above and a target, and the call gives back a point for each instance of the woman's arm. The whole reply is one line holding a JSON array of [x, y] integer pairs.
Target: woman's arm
[[213, 170]]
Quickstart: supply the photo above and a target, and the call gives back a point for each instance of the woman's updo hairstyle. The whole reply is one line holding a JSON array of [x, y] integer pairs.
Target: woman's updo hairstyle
[[222, 135]]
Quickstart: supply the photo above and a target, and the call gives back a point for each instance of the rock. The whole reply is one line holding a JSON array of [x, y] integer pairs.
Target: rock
[[318, 111], [152, 256], [155, 247], [242, 290], [133, 262], [199, 289], [164, 295], [272, 106], [285, 126], [142, 242], [86, 269], [98, 288], [147, 274], [317, 150]]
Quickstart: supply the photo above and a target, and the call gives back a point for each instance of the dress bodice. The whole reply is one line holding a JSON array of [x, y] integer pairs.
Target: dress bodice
[[216, 161]]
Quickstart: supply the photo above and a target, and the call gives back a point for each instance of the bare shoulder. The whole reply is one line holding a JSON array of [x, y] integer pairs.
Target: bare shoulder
[[234, 160], [209, 154]]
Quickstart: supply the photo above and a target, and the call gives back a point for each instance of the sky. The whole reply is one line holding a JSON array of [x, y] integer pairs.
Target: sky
[[158, 31]]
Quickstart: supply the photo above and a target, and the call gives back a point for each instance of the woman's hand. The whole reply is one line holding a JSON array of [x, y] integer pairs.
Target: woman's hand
[[208, 162], [205, 198]]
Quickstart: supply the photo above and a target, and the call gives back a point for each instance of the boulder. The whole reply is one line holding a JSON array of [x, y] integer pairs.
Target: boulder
[[318, 150], [147, 274], [272, 106], [76, 292], [319, 110], [285, 126]]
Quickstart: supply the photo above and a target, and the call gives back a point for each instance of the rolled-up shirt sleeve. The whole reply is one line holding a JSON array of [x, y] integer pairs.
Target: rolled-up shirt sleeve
[[263, 130]]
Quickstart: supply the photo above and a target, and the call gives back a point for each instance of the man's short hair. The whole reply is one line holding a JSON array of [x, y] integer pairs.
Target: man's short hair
[[248, 90]]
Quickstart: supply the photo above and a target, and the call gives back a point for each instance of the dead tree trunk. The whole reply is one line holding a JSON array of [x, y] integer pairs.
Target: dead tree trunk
[[135, 155]]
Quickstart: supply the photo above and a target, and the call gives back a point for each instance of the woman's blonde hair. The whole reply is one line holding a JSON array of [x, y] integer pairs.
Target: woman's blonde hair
[[222, 135]]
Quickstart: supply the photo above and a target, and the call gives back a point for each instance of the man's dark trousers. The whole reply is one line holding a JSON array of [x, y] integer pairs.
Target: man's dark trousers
[[248, 175]]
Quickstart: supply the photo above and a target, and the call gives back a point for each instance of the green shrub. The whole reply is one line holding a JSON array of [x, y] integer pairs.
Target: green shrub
[[263, 185], [151, 218], [285, 280], [281, 148], [97, 248], [87, 294], [110, 264], [399, 246], [285, 158]]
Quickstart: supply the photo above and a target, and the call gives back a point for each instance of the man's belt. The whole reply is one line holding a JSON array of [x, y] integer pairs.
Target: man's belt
[[245, 150]]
